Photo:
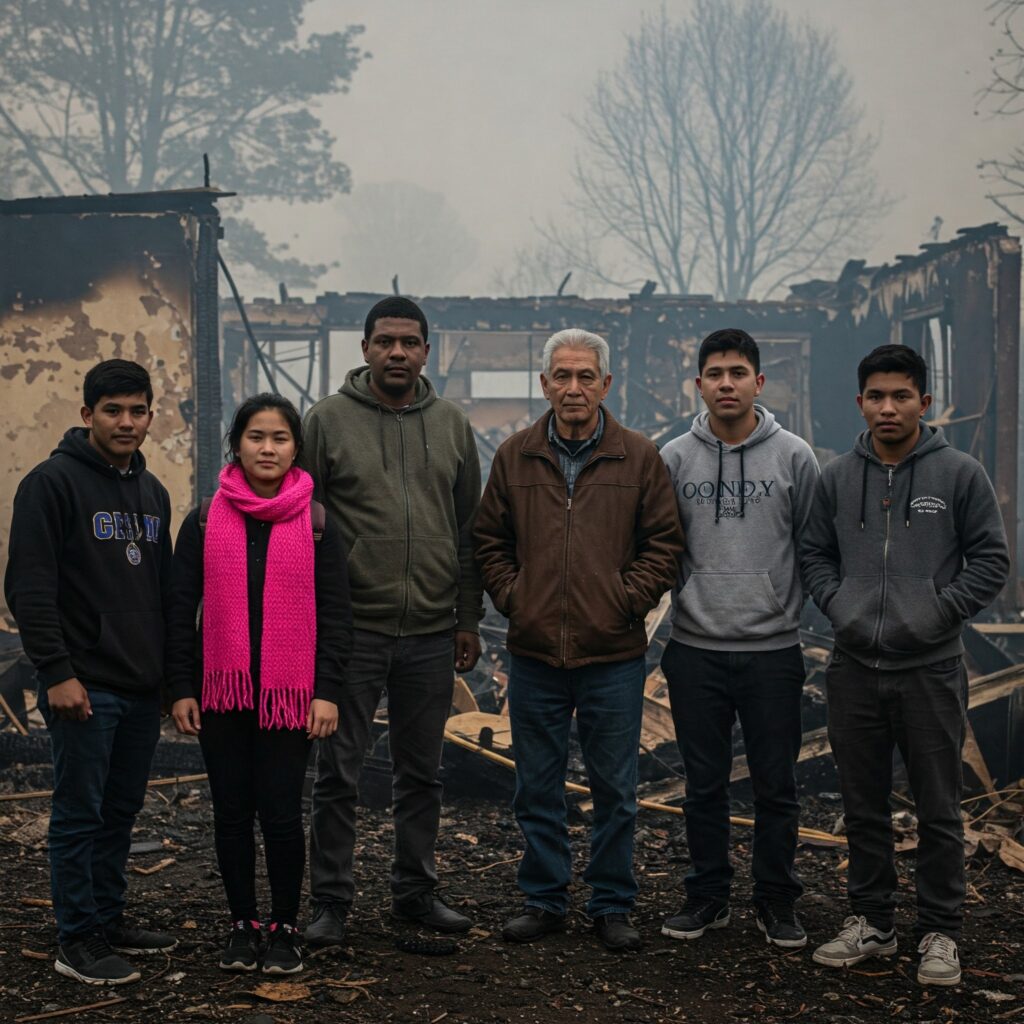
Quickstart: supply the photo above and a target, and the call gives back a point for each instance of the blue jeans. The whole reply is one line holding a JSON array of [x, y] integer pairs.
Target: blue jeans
[[608, 700], [708, 689], [100, 769]]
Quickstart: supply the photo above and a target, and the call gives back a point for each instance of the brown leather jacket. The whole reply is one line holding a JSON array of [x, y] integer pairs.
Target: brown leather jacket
[[577, 577]]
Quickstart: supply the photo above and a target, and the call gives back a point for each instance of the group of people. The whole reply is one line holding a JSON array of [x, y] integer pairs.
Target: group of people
[[345, 557]]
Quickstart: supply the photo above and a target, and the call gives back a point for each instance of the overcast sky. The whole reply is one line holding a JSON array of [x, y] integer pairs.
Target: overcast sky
[[473, 99]]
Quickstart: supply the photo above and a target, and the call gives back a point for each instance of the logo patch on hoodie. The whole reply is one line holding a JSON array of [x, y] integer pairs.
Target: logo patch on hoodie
[[928, 505]]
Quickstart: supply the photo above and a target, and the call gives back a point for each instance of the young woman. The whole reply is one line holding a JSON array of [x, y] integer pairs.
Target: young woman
[[263, 571]]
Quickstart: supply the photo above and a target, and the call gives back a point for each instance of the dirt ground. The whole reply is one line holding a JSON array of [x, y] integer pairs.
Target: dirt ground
[[728, 976]]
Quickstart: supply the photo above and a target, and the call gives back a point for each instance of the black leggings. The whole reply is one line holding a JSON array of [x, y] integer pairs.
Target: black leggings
[[256, 771]]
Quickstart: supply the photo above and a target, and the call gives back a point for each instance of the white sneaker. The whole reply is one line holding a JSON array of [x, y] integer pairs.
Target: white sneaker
[[856, 941], [940, 962]]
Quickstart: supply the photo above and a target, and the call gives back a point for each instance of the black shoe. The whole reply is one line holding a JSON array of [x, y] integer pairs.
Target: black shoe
[[139, 941], [533, 923], [697, 916], [282, 955], [242, 953], [91, 960], [616, 932], [327, 928], [430, 912], [780, 925]]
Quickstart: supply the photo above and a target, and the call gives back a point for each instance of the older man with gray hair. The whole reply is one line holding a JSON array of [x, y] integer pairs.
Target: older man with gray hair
[[577, 537]]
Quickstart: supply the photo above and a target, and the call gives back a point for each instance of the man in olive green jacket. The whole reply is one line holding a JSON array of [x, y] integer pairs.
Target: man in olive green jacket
[[397, 467]]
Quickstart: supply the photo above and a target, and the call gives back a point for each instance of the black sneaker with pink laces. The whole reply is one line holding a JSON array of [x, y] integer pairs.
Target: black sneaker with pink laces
[[242, 953], [282, 955]]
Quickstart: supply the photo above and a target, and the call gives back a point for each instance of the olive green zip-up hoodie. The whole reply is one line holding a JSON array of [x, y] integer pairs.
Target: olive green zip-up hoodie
[[404, 486]]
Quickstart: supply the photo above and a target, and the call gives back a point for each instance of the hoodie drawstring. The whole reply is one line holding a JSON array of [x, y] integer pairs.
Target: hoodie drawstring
[[718, 486], [383, 445], [863, 492], [426, 445], [910, 490], [743, 487]]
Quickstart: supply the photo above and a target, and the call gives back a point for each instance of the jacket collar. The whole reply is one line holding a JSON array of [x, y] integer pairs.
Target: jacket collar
[[611, 445]]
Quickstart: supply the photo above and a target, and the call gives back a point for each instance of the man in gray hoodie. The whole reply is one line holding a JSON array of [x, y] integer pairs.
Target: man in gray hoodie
[[904, 545], [744, 487]]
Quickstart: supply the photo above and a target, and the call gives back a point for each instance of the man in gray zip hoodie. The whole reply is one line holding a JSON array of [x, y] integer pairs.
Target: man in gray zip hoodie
[[744, 487], [904, 545]]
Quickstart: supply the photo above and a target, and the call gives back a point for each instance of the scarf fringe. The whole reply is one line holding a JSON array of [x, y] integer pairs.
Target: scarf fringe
[[284, 709], [227, 690]]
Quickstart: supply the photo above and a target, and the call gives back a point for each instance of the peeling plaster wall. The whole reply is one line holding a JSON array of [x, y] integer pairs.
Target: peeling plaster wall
[[79, 288]]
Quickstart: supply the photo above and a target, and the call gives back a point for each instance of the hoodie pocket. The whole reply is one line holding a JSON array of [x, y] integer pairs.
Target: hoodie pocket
[[376, 570], [433, 578], [730, 606], [914, 618], [853, 611], [129, 650]]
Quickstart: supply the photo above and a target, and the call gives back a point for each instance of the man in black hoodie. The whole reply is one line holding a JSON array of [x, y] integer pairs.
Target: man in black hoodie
[[88, 569], [904, 545]]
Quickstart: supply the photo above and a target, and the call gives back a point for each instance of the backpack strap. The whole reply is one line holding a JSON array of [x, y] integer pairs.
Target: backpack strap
[[317, 515]]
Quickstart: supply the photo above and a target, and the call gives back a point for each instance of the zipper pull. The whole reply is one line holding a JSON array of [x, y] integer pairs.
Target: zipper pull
[[568, 504], [890, 476]]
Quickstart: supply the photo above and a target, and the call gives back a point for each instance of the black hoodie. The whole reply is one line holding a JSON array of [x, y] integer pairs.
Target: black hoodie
[[89, 567]]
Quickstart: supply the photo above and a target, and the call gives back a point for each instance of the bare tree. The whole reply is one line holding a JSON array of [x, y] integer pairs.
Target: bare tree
[[126, 95], [396, 227], [724, 152], [1005, 94], [540, 269]]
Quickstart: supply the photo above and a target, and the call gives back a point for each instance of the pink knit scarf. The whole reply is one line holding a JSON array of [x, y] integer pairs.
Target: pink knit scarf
[[288, 648]]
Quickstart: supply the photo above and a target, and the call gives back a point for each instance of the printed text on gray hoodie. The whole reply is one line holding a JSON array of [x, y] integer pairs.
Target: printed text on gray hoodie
[[742, 507]]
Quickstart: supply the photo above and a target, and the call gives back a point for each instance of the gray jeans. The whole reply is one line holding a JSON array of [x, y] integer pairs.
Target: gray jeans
[[418, 674], [923, 712]]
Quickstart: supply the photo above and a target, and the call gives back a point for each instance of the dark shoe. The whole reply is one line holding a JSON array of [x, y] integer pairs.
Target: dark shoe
[[139, 941], [282, 955], [242, 953], [429, 912], [327, 927], [616, 932], [697, 916], [91, 960], [780, 925], [533, 923]]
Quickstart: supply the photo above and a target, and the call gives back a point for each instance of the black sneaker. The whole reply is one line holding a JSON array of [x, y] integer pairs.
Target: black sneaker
[[92, 961], [697, 916], [327, 928], [780, 925], [282, 955], [242, 953], [139, 941]]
